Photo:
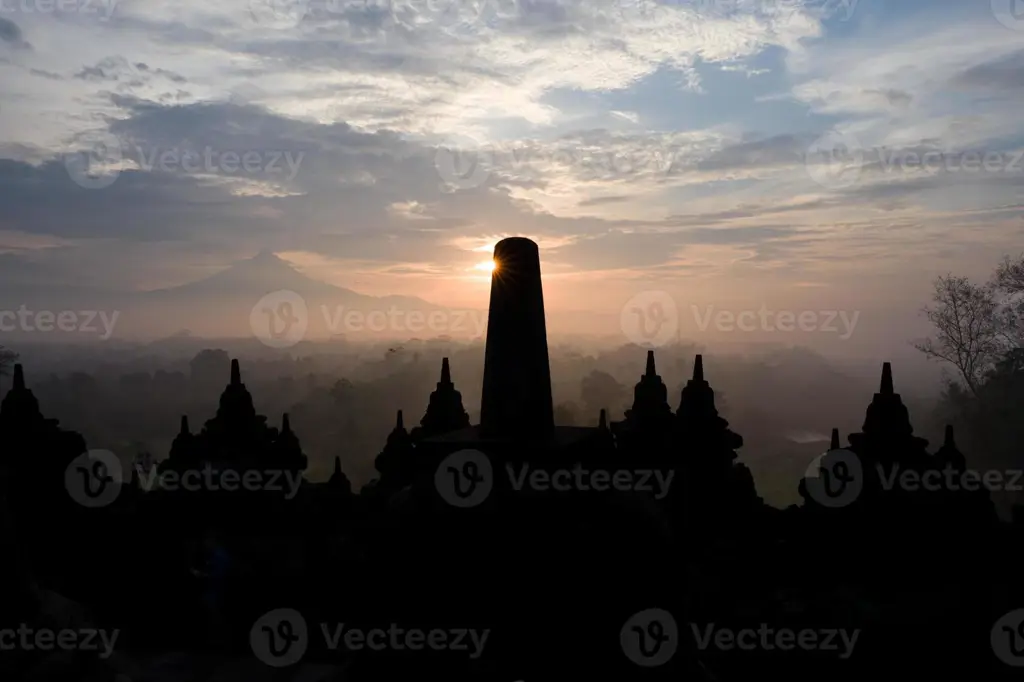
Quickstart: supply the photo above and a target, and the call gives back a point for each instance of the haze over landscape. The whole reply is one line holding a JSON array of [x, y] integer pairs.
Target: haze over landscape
[[322, 180]]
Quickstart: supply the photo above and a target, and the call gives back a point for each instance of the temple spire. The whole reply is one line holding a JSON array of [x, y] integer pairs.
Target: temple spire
[[886, 387], [236, 373], [399, 422], [19, 378], [948, 455], [887, 431], [184, 430], [698, 368], [286, 426], [834, 445], [444, 410], [338, 478], [650, 400], [602, 422]]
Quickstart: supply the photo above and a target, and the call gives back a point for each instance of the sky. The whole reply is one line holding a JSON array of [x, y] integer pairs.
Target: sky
[[804, 155]]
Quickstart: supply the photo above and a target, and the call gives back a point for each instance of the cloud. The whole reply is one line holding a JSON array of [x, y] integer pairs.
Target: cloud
[[1005, 74], [364, 94], [767, 153], [11, 34]]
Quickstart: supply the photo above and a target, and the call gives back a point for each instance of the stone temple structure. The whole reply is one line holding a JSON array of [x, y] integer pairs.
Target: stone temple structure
[[516, 411]]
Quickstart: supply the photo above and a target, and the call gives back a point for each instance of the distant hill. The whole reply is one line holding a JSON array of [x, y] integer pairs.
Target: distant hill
[[223, 305], [261, 274], [237, 301]]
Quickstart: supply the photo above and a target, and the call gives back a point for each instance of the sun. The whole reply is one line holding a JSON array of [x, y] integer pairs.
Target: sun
[[486, 266]]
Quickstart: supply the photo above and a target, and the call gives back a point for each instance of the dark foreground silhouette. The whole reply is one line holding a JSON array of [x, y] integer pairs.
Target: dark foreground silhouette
[[515, 549]]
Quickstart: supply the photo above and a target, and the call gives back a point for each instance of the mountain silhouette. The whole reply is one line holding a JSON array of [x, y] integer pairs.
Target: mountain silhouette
[[263, 273], [222, 305]]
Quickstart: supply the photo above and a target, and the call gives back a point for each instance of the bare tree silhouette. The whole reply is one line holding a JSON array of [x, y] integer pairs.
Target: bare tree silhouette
[[967, 329]]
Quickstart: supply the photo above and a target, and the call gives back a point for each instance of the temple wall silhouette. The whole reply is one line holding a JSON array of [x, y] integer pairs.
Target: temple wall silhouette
[[556, 574]]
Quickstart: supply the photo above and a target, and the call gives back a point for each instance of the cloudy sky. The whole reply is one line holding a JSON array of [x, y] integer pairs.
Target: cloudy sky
[[812, 154]]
